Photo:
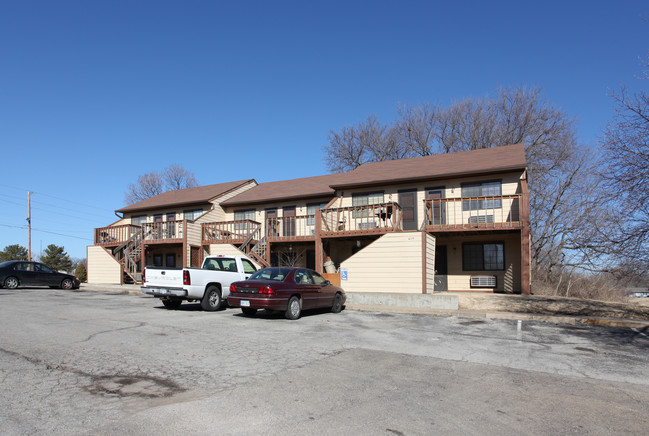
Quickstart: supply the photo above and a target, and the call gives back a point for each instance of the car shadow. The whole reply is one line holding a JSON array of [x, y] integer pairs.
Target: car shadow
[[263, 314]]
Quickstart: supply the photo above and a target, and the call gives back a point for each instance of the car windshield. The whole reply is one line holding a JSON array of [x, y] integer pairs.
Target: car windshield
[[276, 274]]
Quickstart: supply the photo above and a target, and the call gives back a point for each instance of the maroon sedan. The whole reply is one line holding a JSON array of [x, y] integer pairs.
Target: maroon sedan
[[287, 290]]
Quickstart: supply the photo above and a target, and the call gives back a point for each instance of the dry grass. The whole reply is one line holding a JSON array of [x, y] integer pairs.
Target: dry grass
[[628, 308], [600, 288]]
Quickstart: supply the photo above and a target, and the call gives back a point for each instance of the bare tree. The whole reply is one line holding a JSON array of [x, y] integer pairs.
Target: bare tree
[[626, 145], [369, 141], [177, 177], [154, 183]]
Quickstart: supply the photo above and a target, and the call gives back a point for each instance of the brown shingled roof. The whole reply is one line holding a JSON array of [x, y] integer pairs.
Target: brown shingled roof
[[304, 188], [482, 161], [184, 197]]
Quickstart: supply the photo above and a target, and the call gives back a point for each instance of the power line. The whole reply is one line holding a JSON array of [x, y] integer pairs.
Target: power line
[[58, 198], [45, 231]]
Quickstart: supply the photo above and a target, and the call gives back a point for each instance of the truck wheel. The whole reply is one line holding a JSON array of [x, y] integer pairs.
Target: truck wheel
[[211, 299], [172, 304]]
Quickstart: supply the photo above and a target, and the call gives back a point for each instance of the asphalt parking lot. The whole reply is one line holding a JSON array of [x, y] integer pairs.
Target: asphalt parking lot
[[84, 362]]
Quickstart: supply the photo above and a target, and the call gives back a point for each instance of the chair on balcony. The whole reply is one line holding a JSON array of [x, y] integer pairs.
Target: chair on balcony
[[386, 216]]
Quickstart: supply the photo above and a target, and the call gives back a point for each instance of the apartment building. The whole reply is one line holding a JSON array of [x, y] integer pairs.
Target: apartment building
[[453, 222]]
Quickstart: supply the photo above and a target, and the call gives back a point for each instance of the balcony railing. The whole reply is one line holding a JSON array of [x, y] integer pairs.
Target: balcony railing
[[228, 232], [501, 211], [290, 228], [115, 235], [370, 219], [163, 230]]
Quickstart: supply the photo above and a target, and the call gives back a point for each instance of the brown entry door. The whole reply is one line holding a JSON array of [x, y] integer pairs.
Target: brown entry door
[[271, 222], [408, 203], [289, 220]]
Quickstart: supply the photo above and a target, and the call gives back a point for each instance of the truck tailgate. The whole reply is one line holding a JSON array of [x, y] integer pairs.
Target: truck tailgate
[[164, 277]]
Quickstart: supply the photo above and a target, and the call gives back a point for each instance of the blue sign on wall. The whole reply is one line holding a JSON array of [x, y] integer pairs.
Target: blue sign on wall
[[343, 274]]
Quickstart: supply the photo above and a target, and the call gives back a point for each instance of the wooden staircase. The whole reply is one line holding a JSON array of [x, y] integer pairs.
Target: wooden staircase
[[129, 254], [258, 251]]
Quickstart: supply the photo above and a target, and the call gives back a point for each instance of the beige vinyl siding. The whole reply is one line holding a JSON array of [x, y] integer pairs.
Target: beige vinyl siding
[[392, 263], [218, 214], [430, 263], [102, 267], [213, 216], [193, 237], [121, 222], [229, 250]]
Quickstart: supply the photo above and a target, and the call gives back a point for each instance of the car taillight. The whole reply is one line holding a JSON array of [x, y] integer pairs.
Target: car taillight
[[232, 288], [144, 275], [187, 280], [267, 290]]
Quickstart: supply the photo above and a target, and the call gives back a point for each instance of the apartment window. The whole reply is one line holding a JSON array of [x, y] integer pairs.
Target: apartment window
[[483, 257], [191, 215], [241, 215], [138, 220], [361, 200], [310, 211], [484, 189], [171, 260]]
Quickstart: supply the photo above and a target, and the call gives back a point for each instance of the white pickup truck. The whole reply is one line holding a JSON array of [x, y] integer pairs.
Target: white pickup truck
[[209, 284]]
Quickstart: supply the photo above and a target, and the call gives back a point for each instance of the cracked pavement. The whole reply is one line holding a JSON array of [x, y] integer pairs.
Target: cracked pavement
[[75, 362]]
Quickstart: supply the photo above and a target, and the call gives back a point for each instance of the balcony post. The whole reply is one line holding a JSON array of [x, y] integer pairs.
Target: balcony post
[[319, 257], [525, 236]]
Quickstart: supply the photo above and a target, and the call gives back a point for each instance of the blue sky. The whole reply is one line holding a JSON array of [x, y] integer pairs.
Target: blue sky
[[95, 93]]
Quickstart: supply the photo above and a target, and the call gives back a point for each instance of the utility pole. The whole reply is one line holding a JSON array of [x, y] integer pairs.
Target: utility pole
[[29, 225]]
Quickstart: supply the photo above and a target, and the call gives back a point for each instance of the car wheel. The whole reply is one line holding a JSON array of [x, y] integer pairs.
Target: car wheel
[[338, 304], [248, 311], [172, 304], [67, 284], [211, 299], [294, 309], [11, 283]]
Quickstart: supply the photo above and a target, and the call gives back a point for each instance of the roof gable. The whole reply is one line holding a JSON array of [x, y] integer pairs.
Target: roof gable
[[184, 197], [303, 188]]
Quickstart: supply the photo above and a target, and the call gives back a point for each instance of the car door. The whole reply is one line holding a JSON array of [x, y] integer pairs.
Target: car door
[[25, 273], [309, 291], [45, 276], [326, 291]]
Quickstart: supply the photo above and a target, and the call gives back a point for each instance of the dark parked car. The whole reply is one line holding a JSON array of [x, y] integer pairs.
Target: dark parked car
[[16, 273], [287, 290]]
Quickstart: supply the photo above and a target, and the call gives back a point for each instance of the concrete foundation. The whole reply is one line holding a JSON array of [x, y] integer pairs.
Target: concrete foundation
[[428, 301]]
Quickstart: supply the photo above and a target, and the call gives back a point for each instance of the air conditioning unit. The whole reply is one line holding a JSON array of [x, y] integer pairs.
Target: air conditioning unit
[[481, 219], [483, 281], [367, 226]]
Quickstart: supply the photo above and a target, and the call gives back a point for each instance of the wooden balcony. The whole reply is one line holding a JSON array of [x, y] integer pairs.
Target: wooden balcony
[[113, 236], [229, 232], [479, 213], [291, 228], [168, 231], [373, 219]]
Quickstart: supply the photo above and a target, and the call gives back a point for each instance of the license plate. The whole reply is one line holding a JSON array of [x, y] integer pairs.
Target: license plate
[[162, 291], [245, 303]]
